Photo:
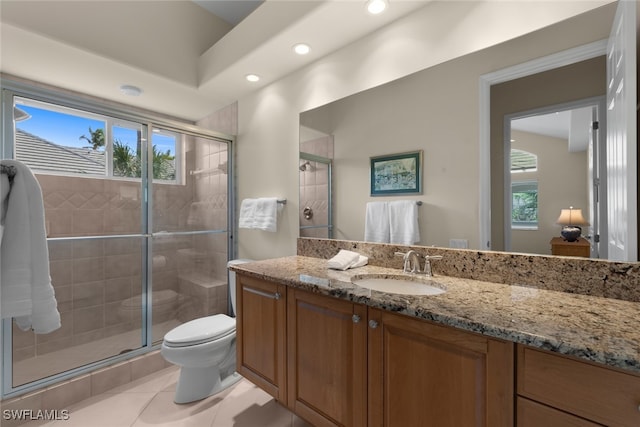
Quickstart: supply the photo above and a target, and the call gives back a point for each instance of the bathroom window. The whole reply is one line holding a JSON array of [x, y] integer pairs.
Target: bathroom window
[[524, 205], [57, 139], [523, 161]]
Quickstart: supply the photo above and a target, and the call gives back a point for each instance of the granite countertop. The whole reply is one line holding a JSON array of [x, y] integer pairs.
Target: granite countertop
[[602, 330]]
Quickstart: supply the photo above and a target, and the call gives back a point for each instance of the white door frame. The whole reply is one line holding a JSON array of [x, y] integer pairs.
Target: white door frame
[[556, 60]]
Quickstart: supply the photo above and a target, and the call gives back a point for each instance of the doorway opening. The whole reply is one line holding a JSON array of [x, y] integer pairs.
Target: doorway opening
[[554, 159]]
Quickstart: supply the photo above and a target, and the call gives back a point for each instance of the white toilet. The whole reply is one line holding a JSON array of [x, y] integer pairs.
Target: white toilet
[[205, 348]]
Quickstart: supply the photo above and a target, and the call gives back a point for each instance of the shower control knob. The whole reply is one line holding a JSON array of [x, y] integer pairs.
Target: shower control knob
[[307, 212]]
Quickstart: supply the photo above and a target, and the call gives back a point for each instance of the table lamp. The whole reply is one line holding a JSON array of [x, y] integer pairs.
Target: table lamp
[[571, 219]]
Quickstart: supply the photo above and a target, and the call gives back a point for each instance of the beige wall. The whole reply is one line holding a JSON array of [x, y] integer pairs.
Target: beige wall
[[268, 119]]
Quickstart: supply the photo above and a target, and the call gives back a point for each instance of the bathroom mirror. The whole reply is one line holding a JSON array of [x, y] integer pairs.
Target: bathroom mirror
[[436, 110]]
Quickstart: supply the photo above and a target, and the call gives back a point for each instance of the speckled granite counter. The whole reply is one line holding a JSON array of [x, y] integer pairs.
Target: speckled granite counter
[[598, 329]]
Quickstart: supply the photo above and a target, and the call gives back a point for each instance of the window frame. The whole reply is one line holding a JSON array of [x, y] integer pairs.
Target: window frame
[[109, 123], [525, 225]]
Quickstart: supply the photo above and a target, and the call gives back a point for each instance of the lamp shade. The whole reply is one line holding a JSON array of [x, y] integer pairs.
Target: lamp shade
[[571, 216]]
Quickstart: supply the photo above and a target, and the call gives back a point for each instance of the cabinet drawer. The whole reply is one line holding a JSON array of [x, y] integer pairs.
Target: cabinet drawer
[[597, 393], [534, 414]]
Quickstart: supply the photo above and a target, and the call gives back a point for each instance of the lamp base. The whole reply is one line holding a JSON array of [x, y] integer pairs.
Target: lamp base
[[571, 233]]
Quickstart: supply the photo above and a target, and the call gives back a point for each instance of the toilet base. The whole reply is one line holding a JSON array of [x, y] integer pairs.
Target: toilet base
[[198, 383]]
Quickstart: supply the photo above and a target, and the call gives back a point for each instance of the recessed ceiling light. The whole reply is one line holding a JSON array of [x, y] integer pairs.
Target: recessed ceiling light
[[252, 77], [376, 6], [301, 49], [131, 90]]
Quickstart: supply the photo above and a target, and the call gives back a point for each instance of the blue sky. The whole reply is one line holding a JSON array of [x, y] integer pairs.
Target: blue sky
[[66, 129]]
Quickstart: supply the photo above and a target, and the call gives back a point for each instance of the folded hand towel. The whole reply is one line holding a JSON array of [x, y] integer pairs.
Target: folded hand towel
[[361, 262], [343, 260], [403, 219], [266, 214], [247, 213], [259, 214], [25, 284], [376, 222]]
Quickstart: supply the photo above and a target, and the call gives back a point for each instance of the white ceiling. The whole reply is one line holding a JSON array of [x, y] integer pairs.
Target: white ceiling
[[188, 61], [570, 125]]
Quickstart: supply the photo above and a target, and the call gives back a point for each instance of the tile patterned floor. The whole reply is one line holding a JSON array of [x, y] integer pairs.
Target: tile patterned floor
[[149, 402]]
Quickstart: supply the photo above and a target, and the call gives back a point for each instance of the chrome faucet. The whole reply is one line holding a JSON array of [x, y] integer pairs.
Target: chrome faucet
[[411, 261]]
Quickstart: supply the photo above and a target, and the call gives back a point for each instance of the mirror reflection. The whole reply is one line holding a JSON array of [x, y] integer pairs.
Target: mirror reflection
[[436, 110]]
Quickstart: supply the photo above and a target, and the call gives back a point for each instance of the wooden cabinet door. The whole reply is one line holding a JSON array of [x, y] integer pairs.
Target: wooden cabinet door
[[327, 346], [423, 374], [261, 334]]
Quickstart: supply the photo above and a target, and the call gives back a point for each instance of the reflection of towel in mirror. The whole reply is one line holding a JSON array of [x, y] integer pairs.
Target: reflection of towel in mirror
[[376, 222], [25, 284], [403, 219]]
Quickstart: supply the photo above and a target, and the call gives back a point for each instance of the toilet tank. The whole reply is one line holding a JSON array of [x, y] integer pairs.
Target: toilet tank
[[232, 282]]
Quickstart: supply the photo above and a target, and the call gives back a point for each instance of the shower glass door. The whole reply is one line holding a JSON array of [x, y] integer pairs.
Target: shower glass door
[[137, 230], [190, 238]]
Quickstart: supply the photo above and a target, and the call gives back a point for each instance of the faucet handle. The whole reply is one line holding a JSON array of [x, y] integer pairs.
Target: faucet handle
[[427, 264]]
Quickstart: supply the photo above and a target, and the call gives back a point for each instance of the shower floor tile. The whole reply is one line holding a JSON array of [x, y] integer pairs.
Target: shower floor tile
[[42, 366], [149, 402]]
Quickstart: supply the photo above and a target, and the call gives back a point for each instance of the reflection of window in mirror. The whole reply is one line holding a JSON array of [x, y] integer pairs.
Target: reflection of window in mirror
[[523, 161], [524, 192], [524, 205]]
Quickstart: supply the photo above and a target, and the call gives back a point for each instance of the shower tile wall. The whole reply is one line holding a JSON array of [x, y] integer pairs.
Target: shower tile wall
[[314, 187], [94, 278]]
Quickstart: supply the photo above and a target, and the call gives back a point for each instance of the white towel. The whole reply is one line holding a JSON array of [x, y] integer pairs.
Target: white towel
[[361, 262], [26, 292], [266, 214], [376, 222], [247, 213], [259, 214], [343, 260], [4, 192], [403, 219]]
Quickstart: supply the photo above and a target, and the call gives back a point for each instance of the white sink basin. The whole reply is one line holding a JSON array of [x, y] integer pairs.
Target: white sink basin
[[398, 284]]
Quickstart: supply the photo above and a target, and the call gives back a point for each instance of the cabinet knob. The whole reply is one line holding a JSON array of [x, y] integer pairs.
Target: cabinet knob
[[355, 318], [276, 296], [373, 324]]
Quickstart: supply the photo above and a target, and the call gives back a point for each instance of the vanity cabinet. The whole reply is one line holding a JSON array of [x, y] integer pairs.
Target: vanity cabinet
[[555, 390], [425, 374], [327, 345], [261, 334], [352, 365]]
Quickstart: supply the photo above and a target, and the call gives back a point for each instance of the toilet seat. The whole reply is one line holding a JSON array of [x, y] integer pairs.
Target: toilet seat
[[202, 330]]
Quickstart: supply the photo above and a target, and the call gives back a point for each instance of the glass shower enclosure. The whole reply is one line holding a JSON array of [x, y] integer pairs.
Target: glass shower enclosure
[[138, 227]]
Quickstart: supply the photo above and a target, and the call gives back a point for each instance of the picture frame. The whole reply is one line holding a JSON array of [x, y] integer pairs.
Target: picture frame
[[396, 174]]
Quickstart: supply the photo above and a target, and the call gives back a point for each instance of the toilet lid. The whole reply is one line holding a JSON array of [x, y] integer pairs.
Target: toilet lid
[[201, 330]]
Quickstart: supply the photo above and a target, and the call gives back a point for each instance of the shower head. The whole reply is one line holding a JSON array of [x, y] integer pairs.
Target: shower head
[[305, 166]]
